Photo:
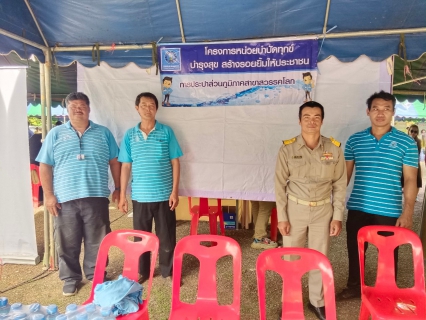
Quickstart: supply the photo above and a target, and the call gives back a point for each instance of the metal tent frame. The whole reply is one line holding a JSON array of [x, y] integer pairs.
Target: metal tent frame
[[49, 259]]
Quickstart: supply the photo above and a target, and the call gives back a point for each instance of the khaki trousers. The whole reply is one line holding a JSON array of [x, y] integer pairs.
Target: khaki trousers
[[314, 223], [261, 211]]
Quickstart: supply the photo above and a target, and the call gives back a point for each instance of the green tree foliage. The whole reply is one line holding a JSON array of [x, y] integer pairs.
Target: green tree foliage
[[34, 121]]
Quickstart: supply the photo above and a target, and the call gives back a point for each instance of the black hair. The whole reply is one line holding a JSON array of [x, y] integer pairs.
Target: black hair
[[168, 78], [146, 95], [381, 95], [305, 74], [58, 123], [414, 126], [311, 104], [77, 96]]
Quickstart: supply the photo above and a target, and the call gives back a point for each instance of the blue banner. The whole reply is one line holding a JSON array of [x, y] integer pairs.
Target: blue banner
[[241, 73]]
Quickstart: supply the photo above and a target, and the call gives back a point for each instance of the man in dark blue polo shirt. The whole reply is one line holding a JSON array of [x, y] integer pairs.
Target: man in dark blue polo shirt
[[380, 154]]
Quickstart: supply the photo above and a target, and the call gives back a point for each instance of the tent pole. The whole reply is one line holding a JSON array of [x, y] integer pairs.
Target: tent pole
[[423, 228], [22, 39], [408, 81], [334, 35], [324, 29], [180, 21], [43, 128], [117, 47], [371, 33], [36, 23], [47, 74], [409, 93], [42, 99]]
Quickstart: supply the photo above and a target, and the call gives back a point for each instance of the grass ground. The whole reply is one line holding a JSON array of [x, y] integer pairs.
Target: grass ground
[[28, 284]]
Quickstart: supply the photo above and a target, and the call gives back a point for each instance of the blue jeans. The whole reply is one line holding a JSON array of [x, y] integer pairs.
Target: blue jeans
[[86, 220]]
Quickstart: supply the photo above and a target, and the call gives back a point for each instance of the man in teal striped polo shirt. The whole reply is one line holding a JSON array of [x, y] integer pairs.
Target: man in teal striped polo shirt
[[74, 161], [150, 154], [380, 155]]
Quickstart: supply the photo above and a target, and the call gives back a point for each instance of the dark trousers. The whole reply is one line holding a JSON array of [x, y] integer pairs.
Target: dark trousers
[[357, 220], [165, 229], [87, 220]]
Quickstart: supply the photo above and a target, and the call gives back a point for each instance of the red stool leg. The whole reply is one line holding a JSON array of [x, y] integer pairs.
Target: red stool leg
[[194, 224], [222, 223], [35, 192], [364, 313], [213, 224], [274, 224]]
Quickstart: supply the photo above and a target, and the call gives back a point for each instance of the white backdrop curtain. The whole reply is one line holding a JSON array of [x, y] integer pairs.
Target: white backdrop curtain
[[230, 152], [17, 229]]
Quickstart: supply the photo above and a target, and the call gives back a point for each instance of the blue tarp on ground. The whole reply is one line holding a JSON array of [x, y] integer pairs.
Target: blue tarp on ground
[[82, 22]]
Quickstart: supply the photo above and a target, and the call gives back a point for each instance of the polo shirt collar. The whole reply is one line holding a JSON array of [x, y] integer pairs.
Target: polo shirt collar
[[392, 131], [69, 126], [157, 125]]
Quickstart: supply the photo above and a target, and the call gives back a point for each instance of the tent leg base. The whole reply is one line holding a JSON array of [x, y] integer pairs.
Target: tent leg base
[[21, 260]]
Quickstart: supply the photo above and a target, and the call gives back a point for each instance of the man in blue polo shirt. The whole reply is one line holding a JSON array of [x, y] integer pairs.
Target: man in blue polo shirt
[[380, 154], [150, 154], [74, 161]]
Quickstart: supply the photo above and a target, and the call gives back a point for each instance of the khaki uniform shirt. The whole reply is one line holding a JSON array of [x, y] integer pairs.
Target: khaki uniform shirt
[[310, 175]]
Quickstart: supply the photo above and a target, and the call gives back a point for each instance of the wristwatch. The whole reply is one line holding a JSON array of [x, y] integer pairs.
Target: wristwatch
[[117, 188]]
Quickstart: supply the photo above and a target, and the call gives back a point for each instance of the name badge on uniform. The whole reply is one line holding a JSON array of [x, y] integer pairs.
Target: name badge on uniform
[[296, 157], [327, 156]]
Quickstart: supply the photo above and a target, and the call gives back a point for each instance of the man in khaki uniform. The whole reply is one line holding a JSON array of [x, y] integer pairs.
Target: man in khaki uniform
[[310, 189], [261, 211]]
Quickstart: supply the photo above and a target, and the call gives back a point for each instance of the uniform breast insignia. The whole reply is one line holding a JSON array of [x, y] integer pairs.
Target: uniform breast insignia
[[296, 157], [335, 142], [326, 156], [289, 141]]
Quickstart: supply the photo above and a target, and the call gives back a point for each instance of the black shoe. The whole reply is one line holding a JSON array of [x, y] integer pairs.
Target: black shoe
[[353, 292], [142, 279], [319, 311], [69, 289]]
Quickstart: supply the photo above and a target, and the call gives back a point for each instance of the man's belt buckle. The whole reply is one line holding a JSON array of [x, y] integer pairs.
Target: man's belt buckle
[[312, 203]]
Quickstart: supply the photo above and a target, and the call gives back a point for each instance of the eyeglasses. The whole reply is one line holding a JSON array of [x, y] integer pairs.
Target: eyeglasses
[[414, 131], [77, 106]]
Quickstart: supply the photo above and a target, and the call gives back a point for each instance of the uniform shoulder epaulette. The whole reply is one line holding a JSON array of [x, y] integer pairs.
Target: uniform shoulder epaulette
[[289, 141], [335, 142]]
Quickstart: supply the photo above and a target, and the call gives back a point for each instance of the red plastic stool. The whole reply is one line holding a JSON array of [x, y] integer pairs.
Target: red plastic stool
[[386, 300], [204, 210], [291, 272], [206, 305], [274, 224], [36, 184]]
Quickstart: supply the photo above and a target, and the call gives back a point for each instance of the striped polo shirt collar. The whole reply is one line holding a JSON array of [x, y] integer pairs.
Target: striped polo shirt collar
[[158, 126], [391, 132], [91, 125]]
